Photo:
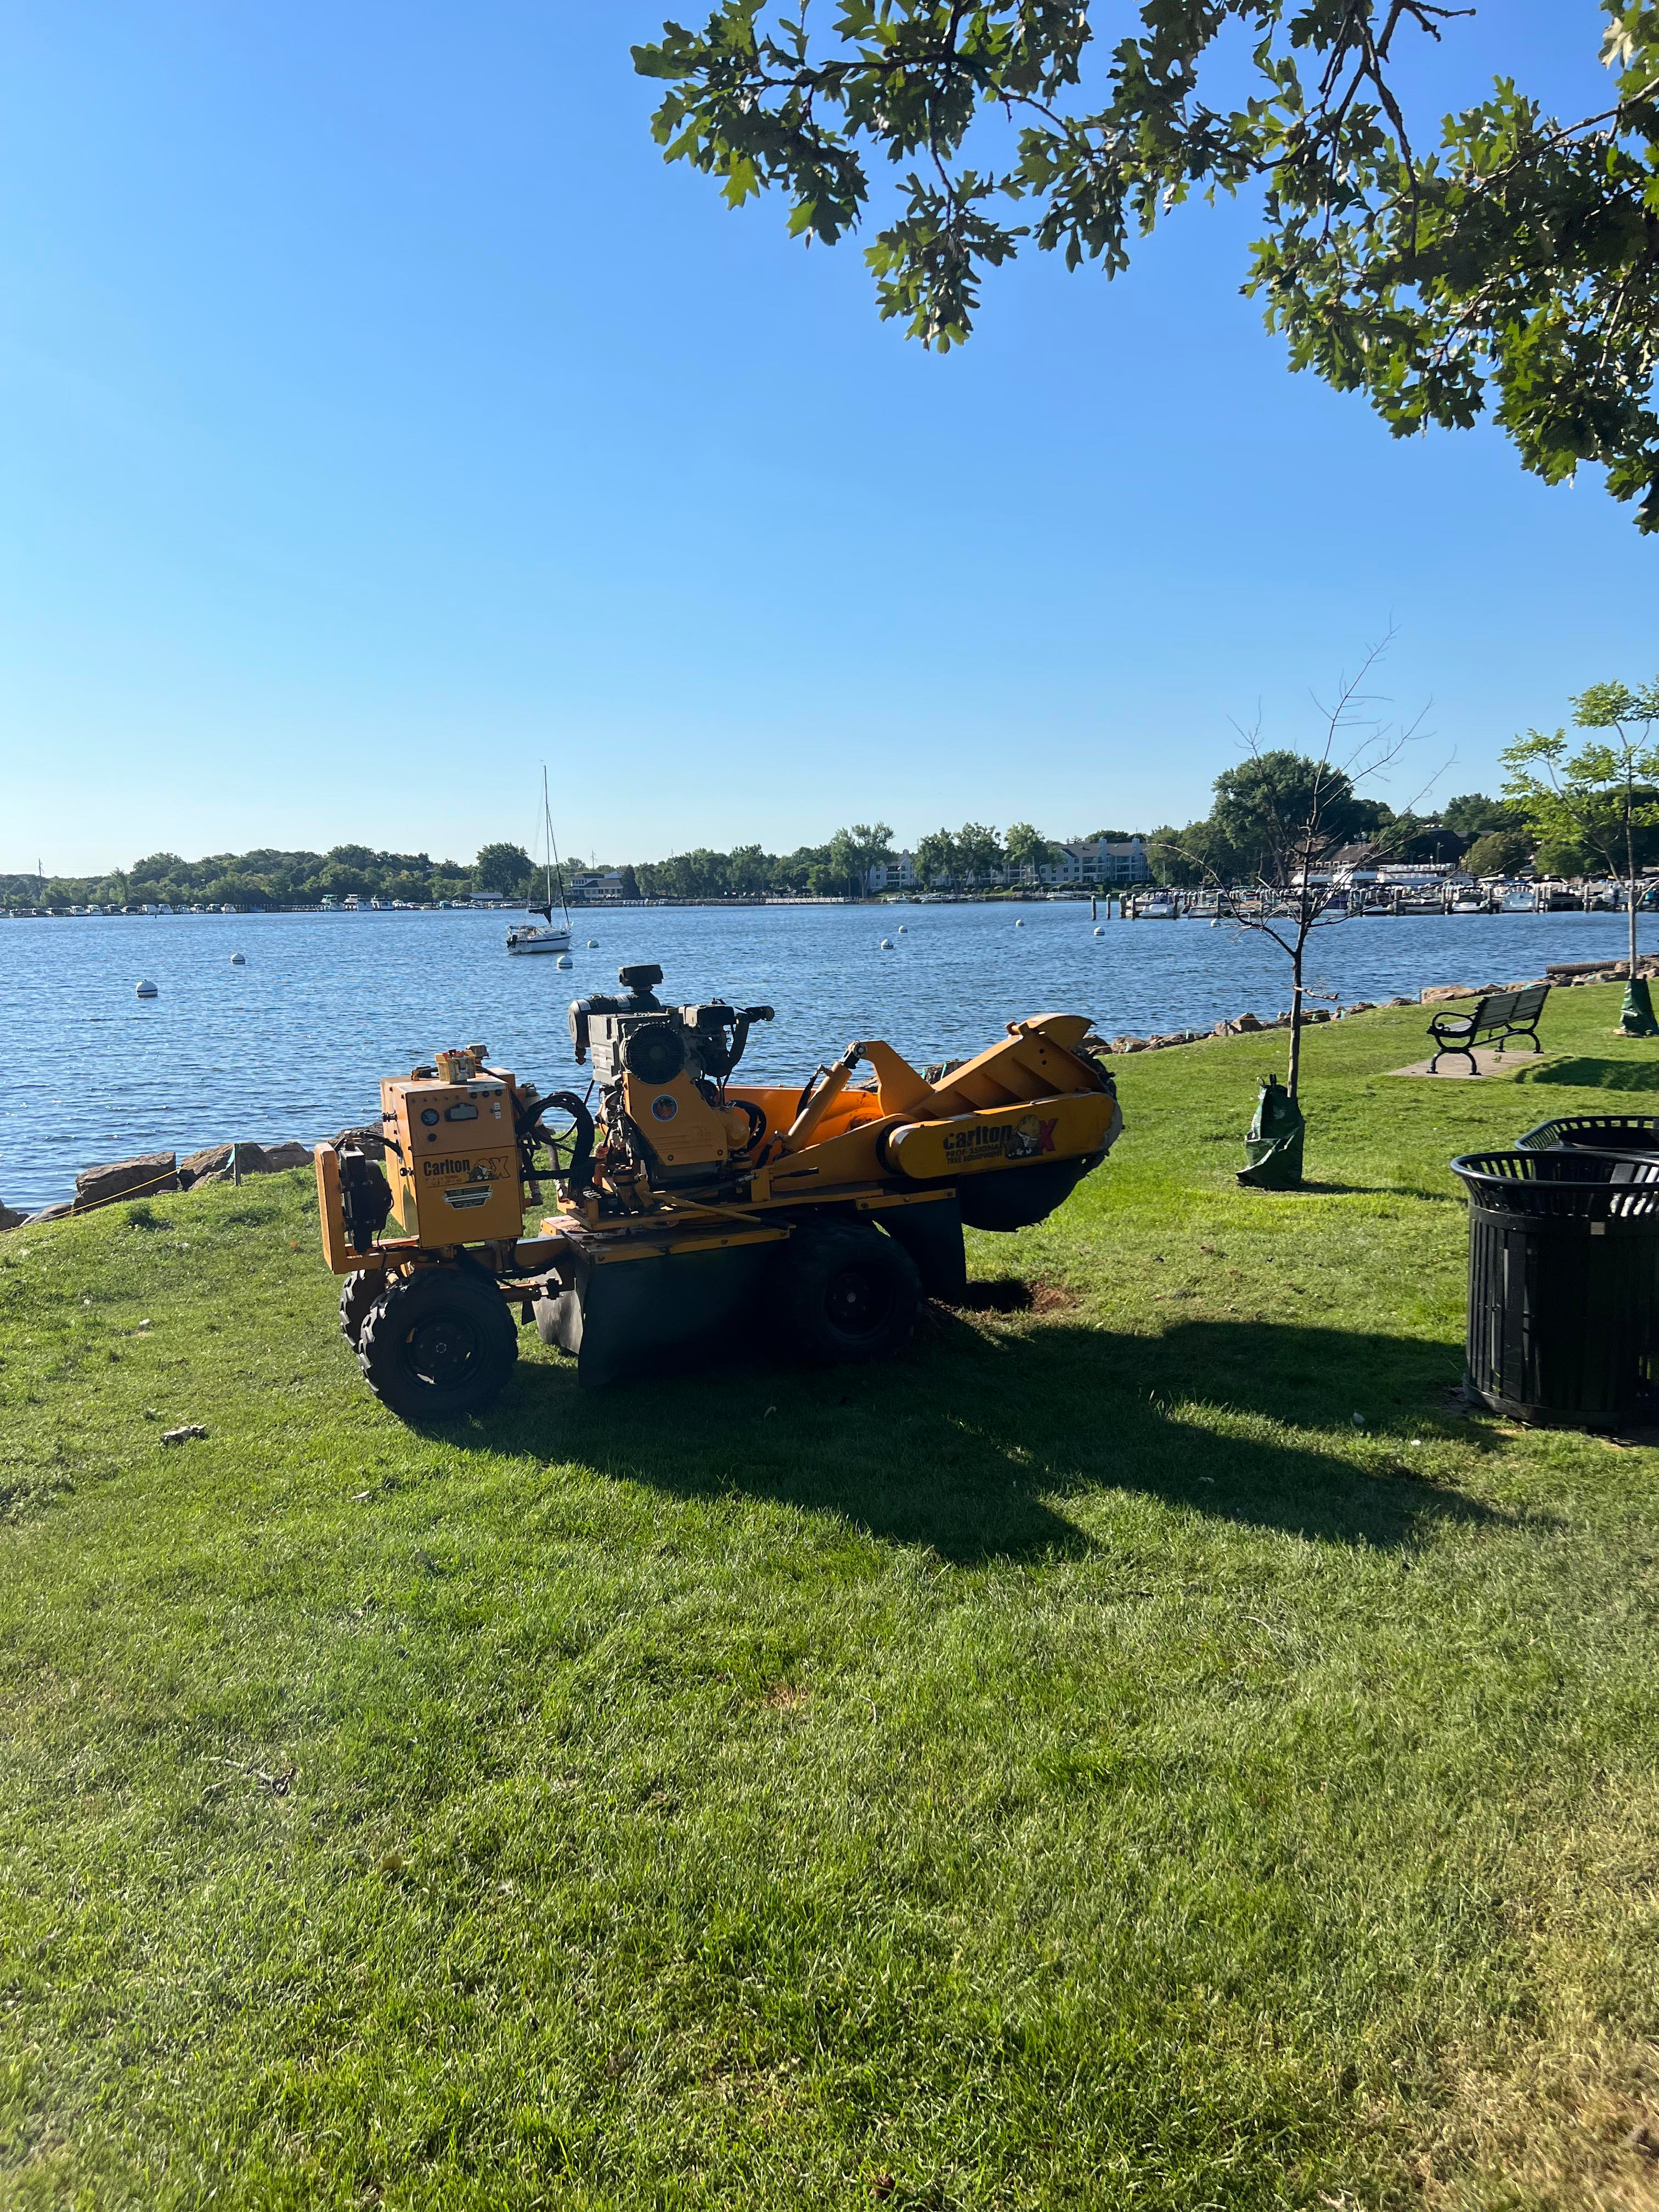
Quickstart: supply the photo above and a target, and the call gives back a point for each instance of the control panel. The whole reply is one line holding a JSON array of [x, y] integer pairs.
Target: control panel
[[452, 1158]]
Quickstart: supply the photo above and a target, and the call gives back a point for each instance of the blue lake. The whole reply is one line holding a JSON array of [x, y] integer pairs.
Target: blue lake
[[293, 1043]]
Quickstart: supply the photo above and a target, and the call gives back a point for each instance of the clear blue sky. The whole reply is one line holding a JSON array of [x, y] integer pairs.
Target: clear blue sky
[[379, 417]]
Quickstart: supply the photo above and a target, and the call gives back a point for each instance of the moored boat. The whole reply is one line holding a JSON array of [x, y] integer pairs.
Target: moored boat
[[547, 935]]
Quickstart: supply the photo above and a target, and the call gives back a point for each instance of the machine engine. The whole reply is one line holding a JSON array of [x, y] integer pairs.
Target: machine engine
[[662, 1072]]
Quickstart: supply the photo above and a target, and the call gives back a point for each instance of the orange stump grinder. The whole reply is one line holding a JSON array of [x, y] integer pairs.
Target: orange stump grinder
[[690, 1207]]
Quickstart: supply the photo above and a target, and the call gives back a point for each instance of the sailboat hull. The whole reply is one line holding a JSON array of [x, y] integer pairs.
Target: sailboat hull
[[538, 940]]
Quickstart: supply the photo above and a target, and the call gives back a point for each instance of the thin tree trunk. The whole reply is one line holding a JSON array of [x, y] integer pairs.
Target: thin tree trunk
[[1295, 1018], [1630, 861]]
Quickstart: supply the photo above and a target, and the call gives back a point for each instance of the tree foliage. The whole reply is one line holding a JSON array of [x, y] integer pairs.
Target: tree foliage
[[839, 868], [1263, 805], [1500, 853], [503, 868], [264, 877], [1500, 259], [1474, 815], [957, 856], [1600, 799], [1025, 847]]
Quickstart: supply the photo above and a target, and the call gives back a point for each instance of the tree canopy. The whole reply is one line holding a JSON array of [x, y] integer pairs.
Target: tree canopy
[[503, 867], [1025, 846], [946, 856], [1600, 801], [1498, 258]]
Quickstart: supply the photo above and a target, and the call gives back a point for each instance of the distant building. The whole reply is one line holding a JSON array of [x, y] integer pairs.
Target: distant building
[[898, 875], [1096, 861], [1074, 866], [610, 885]]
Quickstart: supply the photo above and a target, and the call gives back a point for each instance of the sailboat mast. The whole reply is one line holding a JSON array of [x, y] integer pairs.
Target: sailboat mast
[[547, 833], [553, 857]]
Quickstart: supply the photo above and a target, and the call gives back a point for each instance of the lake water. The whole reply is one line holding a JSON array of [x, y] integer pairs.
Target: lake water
[[293, 1044]]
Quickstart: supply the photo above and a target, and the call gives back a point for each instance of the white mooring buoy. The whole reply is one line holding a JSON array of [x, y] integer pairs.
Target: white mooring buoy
[[146, 990], [1098, 931], [902, 930], [239, 960], [593, 943], [565, 960], [887, 945]]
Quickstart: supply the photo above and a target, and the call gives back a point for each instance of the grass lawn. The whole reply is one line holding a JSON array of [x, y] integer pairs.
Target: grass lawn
[[1147, 1747]]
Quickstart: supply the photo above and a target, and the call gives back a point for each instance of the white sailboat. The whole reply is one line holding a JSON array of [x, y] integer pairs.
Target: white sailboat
[[547, 935]]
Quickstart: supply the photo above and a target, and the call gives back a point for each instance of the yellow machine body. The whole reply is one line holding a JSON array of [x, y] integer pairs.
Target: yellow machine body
[[689, 1137], [455, 1175], [677, 1199], [452, 1163]]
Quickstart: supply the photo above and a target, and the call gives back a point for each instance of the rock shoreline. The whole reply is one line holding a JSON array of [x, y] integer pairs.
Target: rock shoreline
[[159, 1174], [1565, 975]]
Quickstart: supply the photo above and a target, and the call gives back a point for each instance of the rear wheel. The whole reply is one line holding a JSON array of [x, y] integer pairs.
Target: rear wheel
[[848, 1293], [440, 1343], [358, 1294]]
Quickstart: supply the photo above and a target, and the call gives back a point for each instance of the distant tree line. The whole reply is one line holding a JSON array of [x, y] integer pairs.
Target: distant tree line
[[1490, 836], [840, 868], [262, 877], [975, 854]]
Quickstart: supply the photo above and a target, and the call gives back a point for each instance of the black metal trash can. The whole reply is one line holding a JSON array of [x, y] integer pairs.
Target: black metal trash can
[[1600, 1132], [1564, 1284]]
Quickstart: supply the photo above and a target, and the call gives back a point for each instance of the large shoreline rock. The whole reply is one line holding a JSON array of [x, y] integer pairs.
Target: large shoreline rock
[[279, 1159], [151, 1174], [159, 1174], [213, 1164]]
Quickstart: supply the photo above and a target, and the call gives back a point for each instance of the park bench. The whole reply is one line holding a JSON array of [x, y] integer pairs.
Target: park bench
[[1500, 1014]]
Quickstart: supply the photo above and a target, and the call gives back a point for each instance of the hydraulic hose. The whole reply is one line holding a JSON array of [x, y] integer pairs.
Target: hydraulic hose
[[575, 1171]]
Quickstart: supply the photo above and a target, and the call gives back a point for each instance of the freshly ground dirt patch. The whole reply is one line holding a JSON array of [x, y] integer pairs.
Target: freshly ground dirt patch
[[1011, 1294]]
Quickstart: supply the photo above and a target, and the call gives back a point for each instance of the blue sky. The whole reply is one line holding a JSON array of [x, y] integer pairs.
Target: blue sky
[[379, 417]]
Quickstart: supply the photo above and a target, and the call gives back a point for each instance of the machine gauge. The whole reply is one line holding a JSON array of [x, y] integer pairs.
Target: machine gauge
[[429, 1114]]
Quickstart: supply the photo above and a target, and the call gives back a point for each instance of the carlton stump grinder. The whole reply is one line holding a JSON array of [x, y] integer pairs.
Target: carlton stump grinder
[[690, 1209]]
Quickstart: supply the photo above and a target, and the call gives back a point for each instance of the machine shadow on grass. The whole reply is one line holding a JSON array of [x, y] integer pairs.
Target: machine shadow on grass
[[972, 1442]]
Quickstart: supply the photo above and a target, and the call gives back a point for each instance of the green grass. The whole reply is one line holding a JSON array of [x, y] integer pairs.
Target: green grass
[[1146, 1748]]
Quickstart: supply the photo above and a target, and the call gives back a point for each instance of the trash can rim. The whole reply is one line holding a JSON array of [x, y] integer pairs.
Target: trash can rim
[[1565, 1185], [1543, 1135]]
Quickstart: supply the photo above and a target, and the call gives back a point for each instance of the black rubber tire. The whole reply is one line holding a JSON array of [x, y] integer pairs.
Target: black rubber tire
[[359, 1293], [439, 1344], [848, 1293]]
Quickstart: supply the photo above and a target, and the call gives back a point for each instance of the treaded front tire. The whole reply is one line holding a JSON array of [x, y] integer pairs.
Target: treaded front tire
[[359, 1294], [850, 1293], [439, 1344]]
